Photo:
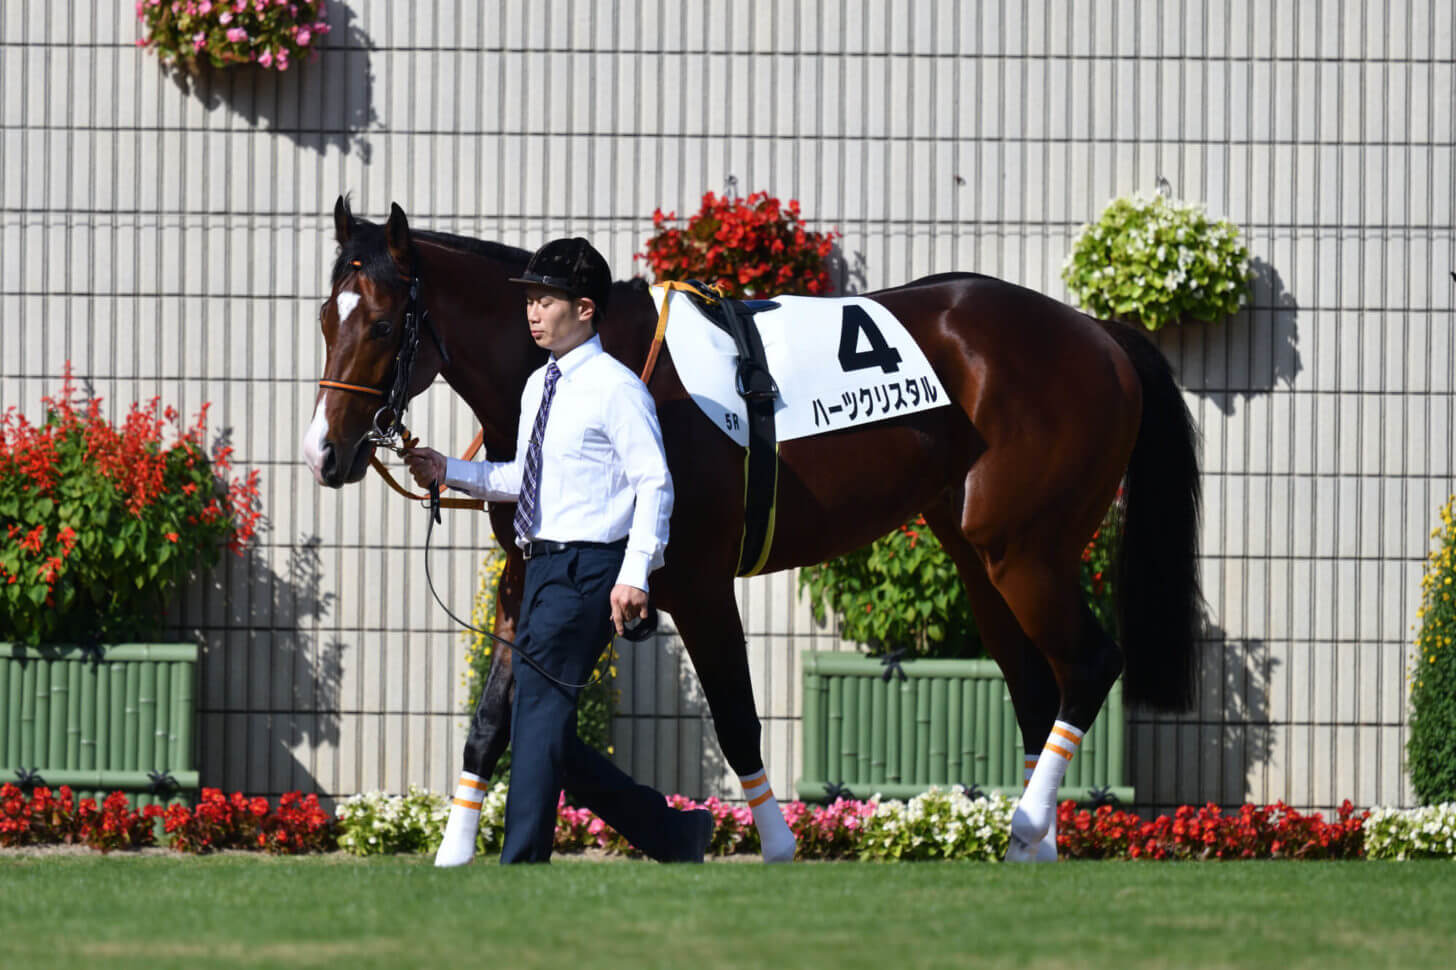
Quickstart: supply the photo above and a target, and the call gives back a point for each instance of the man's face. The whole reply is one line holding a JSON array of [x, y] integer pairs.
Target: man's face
[[558, 323]]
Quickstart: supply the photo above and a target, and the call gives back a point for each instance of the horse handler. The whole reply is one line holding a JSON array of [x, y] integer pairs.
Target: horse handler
[[593, 496]]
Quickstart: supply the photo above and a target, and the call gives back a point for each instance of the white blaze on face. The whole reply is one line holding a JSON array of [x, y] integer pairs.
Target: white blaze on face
[[346, 302], [313, 443], [318, 429]]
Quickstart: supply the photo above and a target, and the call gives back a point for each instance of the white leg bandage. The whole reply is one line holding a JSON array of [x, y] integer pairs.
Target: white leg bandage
[[458, 845], [773, 832], [1036, 813], [1046, 849]]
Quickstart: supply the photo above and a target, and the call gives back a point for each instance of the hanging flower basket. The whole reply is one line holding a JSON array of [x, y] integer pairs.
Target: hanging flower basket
[[1152, 261], [187, 34]]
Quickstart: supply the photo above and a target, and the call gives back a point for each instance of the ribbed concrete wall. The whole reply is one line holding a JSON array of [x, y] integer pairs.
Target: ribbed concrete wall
[[174, 239]]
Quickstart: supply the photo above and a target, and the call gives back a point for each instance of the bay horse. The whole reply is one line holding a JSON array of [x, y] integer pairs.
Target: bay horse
[[1051, 410]]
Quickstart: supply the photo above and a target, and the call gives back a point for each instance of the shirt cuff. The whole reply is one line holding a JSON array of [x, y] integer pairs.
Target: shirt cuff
[[634, 569], [461, 474]]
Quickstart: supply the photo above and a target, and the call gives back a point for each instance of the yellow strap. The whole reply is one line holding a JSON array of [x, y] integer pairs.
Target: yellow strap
[[773, 512], [711, 293]]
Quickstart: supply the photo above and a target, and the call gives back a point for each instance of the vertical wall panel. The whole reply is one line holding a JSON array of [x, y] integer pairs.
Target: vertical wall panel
[[173, 239]]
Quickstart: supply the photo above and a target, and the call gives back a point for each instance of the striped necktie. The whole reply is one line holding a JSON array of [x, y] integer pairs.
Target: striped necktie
[[531, 477]]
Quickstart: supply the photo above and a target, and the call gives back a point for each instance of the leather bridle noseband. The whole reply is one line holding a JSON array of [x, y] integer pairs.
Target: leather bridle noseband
[[396, 398]]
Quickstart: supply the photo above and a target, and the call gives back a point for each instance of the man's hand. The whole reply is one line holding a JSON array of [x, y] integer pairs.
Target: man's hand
[[426, 465], [628, 603]]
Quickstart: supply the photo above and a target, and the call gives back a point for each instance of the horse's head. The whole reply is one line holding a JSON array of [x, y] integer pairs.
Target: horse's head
[[364, 330]]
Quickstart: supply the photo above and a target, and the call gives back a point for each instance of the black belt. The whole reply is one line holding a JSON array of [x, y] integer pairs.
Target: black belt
[[548, 547]]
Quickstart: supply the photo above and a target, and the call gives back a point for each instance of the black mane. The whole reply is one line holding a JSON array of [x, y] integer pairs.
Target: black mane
[[368, 252]]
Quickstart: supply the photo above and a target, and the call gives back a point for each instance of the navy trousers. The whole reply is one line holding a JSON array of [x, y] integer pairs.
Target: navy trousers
[[565, 624]]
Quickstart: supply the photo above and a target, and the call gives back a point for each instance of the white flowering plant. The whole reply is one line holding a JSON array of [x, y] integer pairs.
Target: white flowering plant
[[1412, 833], [1152, 261], [376, 823], [938, 824]]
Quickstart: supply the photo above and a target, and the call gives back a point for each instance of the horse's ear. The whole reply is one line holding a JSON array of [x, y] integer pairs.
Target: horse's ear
[[396, 235], [343, 221]]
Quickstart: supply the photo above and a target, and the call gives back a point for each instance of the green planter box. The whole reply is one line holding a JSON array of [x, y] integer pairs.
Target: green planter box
[[100, 724], [949, 722]]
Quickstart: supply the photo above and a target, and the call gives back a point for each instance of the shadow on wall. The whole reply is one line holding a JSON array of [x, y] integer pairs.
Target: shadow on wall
[[291, 679], [319, 104], [1247, 355], [1212, 753], [663, 732], [847, 270]]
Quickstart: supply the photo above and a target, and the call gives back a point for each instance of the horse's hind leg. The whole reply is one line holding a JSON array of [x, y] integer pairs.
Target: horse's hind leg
[[490, 728], [712, 631], [1047, 600], [1029, 678]]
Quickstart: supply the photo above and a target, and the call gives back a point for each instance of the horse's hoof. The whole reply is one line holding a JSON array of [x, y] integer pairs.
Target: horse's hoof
[[1018, 850], [448, 857], [781, 854]]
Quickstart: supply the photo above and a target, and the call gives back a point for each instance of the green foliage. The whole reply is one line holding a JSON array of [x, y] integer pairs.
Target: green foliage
[[938, 825], [271, 34], [595, 704], [900, 591], [903, 591], [1097, 567], [1154, 261], [1416, 833], [103, 522], [375, 823], [1431, 749]]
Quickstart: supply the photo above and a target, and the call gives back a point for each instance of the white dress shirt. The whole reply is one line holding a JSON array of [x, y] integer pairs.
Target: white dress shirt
[[603, 471]]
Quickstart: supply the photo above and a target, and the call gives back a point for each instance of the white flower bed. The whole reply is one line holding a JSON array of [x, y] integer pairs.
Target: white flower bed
[[1411, 833]]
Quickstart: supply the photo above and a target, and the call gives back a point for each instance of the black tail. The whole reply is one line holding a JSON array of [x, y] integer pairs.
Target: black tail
[[1159, 605]]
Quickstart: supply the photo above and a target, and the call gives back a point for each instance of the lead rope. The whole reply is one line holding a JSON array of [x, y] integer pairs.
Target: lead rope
[[598, 668]]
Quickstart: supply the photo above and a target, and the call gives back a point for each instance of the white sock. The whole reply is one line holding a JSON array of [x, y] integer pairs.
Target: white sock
[[458, 845], [1046, 849], [773, 832], [1037, 810]]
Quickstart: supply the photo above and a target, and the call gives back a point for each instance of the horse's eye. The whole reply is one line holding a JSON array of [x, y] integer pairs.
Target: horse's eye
[[382, 328]]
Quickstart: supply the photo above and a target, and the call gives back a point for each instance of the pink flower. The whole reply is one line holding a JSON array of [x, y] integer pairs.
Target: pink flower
[[266, 58], [226, 18], [237, 35], [199, 40], [303, 37], [205, 7]]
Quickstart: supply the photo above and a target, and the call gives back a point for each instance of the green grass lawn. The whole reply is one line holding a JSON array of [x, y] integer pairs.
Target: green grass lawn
[[250, 911]]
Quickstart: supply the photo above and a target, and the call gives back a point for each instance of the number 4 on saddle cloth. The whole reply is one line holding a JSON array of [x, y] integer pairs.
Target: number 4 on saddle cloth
[[768, 371]]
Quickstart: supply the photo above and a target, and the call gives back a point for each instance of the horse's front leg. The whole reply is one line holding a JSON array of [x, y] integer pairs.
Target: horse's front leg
[[490, 727], [712, 631]]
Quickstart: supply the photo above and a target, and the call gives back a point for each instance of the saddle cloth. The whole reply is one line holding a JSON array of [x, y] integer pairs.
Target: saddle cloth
[[839, 363]]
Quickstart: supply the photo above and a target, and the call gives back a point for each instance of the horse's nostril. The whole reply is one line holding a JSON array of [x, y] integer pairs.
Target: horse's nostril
[[330, 462]]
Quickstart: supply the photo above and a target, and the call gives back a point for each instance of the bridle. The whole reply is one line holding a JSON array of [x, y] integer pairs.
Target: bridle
[[396, 438], [396, 398]]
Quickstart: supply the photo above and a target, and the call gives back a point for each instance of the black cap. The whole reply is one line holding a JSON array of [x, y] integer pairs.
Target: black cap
[[573, 267]]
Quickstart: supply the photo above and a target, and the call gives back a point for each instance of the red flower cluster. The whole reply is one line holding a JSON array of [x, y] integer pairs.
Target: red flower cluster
[[1253, 832], [92, 509], [238, 822], [56, 818], [751, 247]]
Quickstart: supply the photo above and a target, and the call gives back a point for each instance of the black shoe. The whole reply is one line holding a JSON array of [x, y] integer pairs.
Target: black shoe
[[698, 829]]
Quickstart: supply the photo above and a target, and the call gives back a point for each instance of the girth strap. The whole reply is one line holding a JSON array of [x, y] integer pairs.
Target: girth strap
[[759, 392]]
